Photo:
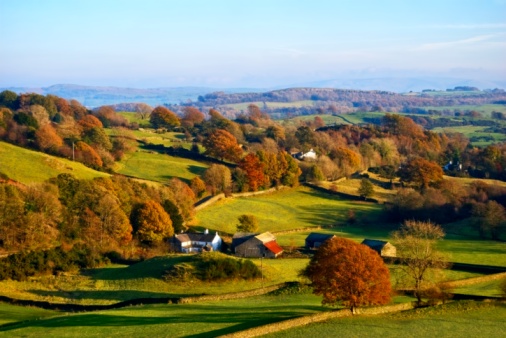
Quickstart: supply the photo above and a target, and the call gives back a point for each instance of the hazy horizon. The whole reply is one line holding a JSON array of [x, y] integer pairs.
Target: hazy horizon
[[261, 44]]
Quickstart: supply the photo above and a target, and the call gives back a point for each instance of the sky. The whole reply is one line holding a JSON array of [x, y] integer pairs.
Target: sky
[[238, 43]]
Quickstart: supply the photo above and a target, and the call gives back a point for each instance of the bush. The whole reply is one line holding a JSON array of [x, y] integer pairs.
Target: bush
[[22, 265]]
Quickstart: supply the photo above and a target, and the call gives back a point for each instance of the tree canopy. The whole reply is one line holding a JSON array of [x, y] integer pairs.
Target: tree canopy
[[348, 273]]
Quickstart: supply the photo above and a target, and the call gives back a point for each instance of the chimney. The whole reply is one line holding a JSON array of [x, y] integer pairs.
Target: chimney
[[206, 231]]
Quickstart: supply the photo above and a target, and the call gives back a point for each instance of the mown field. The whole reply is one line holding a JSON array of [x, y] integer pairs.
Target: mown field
[[485, 109], [151, 165], [28, 166], [285, 210]]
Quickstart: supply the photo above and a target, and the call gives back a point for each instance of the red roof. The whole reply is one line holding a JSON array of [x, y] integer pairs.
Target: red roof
[[274, 247]]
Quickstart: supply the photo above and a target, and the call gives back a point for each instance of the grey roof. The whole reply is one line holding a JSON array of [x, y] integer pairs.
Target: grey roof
[[195, 237], [374, 243], [317, 237]]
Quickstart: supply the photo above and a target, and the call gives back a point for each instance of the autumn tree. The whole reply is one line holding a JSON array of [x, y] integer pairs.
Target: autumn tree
[[489, 217], [191, 117], [184, 197], [151, 223], [143, 110], [346, 159], [48, 139], [218, 178], [416, 248], [421, 172], [175, 215], [86, 154], [251, 165], [223, 145], [198, 186], [247, 223], [162, 117], [348, 273], [366, 188]]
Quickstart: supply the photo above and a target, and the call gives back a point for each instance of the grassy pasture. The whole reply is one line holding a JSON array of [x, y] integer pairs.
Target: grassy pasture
[[117, 283], [158, 167], [458, 319], [28, 166], [485, 109], [133, 118], [11, 313], [209, 319], [284, 210], [168, 139]]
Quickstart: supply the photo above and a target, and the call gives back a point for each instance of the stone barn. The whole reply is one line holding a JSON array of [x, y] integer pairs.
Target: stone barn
[[314, 240], [383, 248], [255, 245]]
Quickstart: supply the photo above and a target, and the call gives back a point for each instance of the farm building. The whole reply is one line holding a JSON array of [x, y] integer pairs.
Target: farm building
[[255, 245], [196, 242], [384, 248], [310, 155], [314, 240]]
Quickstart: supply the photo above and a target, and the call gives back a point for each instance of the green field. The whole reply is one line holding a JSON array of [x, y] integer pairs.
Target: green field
[[133, 118], [115, 283], [11, 313], [28, 166], [459, 319], [284, 210], [209, 319], [154, 166], [485, 109]]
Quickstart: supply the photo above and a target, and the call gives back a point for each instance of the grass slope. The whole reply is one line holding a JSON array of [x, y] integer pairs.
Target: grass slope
[[459, 319], [284, 210], [28, 166], [116, 283], [159, 167], [208, 319], [11, 313]]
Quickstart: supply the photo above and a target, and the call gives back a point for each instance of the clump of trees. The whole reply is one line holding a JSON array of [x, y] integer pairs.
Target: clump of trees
[[348, 273], [247, 223], [214, 266]]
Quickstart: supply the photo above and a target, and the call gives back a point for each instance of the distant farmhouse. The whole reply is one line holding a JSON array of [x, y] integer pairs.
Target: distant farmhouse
[[315, 240], [383, 248], [310, 155], [255, 245], [196, 242]]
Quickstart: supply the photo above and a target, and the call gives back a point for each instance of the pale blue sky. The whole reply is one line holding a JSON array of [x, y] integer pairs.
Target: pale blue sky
[[153, 43]]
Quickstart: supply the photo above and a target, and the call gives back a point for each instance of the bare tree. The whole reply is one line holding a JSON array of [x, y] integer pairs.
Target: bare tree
[[420, 261], [143, 110]]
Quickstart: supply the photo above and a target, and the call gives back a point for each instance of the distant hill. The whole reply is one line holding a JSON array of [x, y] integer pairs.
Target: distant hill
[[403, 84], [92, 96]]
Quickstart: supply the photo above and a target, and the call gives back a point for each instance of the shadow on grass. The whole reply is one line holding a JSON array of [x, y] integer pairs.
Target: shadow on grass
[[151, 268], [239, 317], [106, 295]]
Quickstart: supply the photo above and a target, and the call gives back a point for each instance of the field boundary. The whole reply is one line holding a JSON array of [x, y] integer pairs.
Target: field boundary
[[210, 200], [319, 317], [141, 301]]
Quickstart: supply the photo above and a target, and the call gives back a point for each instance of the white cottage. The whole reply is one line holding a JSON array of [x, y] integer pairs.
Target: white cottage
[[196, 242]]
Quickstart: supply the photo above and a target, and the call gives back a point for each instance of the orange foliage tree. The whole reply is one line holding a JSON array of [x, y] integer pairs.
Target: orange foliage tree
[[162, 117], [48, 139], [151, 223], [254, 171], [88, 155], [223, 145], [421, 172], [348, 273]]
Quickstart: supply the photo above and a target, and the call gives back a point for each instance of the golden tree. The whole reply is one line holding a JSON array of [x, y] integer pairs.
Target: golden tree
[[348, 273]]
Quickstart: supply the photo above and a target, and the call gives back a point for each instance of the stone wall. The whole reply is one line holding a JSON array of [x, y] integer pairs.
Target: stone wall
[[318, 317]]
